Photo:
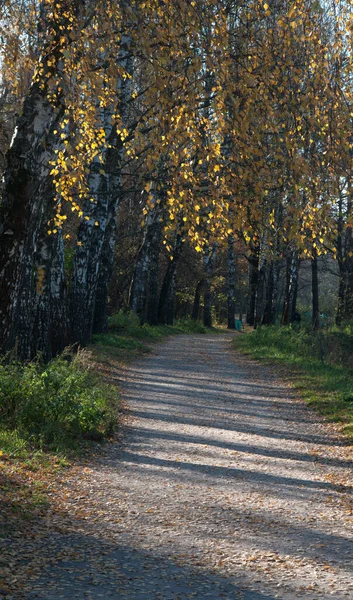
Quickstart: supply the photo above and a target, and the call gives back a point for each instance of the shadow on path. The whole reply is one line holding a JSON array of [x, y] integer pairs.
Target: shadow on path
[[92, 568]]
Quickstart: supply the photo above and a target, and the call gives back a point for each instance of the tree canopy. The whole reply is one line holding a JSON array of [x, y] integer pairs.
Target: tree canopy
[[224, 124]]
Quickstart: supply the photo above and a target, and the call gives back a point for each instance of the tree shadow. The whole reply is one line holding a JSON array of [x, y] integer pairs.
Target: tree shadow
[[84, 566], [149, 435], [227, 425], [189, 472]]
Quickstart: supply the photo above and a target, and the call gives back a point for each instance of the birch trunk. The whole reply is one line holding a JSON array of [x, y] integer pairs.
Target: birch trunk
[[269, 316], [345, 292], [23, 200], [27, 166], [138, 292], [46, 314], [94, 256], [345, 268], [101, 307], [253, 281], [39, 321], [208, 267], [231, 282], [195, 314], [153, 274], [147, 259], [260, 299], [50, 319], [291, 289], [315, 320], [87, 258], [167, 295]]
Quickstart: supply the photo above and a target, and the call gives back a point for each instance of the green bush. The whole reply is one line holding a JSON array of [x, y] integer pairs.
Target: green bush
[[191, 326], [56, 404], [128, 324], [124, 321]]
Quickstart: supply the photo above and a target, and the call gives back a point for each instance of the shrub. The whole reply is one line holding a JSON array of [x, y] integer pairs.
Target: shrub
[[56, 404], [127, 323], [124, 321], [191, 326]]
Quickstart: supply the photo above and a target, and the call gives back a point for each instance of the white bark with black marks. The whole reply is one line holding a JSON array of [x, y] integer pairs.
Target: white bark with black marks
[[25, 198]]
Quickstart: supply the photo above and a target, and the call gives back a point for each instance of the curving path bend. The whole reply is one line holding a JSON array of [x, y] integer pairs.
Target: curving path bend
[[225, 487]]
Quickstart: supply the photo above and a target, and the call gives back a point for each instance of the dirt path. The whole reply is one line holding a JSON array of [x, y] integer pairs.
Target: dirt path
[[225, 487]]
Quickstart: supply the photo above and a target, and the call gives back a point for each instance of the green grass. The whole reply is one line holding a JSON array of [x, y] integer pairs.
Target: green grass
[[319, 364], [60, 406], [53, 407], [128, 323], [127, 339], [50, 415]]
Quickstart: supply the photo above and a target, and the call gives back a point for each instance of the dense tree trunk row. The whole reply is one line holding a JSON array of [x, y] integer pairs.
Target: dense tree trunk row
[[154, 92], [345, 259], [36, 314]]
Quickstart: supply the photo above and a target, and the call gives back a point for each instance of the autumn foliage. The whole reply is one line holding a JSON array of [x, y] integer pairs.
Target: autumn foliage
[[225, 124]]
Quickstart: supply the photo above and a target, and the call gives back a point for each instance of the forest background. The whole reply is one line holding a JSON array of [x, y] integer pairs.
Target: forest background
[[174, 159], [154, 152]]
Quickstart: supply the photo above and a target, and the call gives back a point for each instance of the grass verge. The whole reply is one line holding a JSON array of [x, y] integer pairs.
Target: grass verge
[[52, 414], [318, 364], [49, 415]]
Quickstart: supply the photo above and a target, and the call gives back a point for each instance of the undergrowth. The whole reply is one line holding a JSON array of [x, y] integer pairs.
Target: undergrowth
[[320, 365], [127, 339], [53, 407], [128, 323], [60, 406], [50, 413]]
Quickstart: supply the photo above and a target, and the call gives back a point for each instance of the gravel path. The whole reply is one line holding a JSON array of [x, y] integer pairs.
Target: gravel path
[[225, 486]]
